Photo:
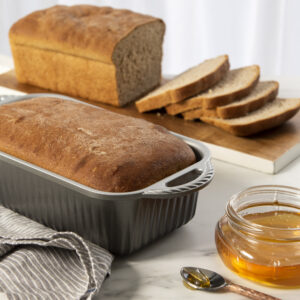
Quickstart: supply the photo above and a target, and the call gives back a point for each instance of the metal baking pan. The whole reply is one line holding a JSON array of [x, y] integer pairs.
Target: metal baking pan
[[120, 222]]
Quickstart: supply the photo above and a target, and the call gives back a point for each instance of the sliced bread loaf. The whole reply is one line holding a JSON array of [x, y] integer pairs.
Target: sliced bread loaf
[[263, 92], [187, 84], [236, 84], [270, 115]]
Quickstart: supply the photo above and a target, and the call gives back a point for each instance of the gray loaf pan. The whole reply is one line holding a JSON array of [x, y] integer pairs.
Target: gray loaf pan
[[119, 222]]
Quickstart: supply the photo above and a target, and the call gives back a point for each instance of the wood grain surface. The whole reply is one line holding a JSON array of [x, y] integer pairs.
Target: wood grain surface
[[269, 145]]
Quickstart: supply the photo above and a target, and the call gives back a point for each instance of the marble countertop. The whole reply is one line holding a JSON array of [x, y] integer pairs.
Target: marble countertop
[[153, 272]]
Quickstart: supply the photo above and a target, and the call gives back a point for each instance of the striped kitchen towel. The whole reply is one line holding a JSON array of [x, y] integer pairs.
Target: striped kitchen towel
[[37, 262]]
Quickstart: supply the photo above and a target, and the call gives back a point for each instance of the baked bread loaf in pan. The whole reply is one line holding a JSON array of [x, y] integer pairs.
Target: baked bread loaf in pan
[[97, 53], [90, 145], [119, 222]]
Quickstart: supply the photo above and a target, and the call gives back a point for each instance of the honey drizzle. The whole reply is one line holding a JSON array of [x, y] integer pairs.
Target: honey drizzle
[[199, 279]]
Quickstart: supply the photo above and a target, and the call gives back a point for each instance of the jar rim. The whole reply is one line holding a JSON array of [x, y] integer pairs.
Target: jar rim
[[237, 220]]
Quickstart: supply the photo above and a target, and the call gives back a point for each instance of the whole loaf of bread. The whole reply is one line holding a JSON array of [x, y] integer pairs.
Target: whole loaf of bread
[[91, 145], [98, 53]]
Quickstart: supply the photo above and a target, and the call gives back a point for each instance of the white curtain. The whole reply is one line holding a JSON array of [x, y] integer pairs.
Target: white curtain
[[264, 32]]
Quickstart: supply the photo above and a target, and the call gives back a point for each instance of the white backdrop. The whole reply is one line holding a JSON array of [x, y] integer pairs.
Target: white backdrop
[[265, 32]]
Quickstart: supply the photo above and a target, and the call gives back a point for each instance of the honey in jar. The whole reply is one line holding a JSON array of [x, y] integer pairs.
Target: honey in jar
[[259, 236]]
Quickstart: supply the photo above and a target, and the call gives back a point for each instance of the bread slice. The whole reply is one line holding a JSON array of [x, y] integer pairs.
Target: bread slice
[[236, 84], [270, 115], [198, 113], [263, 92], [187, 84]]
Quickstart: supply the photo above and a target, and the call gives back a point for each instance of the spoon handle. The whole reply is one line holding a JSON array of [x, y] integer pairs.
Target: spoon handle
[[249, 293]]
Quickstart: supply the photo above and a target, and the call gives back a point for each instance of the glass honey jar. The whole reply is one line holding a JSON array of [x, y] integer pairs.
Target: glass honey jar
[[259, 235]]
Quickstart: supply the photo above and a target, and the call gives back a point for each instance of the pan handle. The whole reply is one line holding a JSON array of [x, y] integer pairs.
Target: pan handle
[[194, 178]]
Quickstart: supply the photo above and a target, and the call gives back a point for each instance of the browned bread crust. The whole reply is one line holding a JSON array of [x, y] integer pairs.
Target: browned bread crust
[[82, 30], [87, 51], [90, 145]]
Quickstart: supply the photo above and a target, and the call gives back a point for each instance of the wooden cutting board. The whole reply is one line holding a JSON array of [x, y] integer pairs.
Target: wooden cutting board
[[267, 152]]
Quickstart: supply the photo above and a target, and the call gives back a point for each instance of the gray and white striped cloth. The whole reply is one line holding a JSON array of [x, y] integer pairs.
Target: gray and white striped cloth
[[37, 262]]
